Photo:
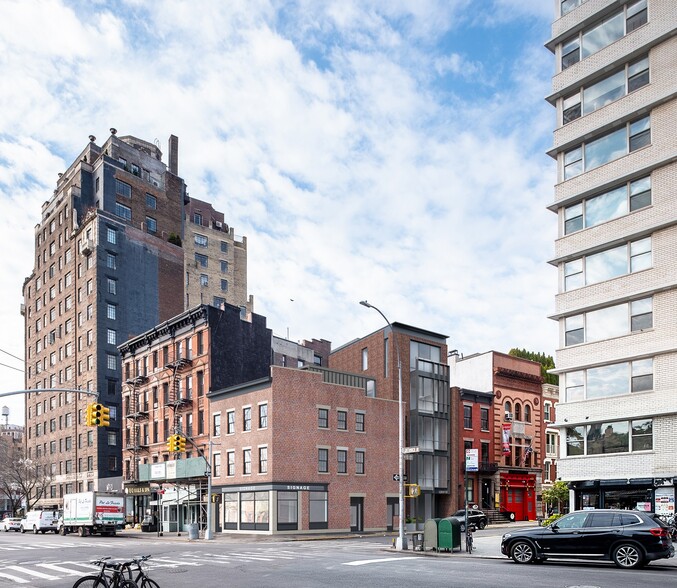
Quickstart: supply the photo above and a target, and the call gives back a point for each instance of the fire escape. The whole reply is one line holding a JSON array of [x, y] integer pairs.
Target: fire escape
[[137, 413], [179, 400]]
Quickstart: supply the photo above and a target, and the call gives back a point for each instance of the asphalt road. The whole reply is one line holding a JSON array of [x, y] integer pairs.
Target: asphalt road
[[51, 560]]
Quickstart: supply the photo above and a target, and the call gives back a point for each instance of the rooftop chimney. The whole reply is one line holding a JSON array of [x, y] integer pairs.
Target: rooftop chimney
[[173, 155]]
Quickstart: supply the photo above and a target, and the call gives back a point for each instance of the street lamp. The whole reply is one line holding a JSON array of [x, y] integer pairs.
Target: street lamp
[[401, 543]]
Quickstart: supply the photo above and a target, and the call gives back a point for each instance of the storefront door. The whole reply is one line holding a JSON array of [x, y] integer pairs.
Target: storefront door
[[356, 515]]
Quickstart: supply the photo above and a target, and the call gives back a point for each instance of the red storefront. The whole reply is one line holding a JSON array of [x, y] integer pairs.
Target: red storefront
[[518, 495]]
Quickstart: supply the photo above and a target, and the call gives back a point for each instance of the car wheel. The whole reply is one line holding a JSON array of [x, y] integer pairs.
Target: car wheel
[[523, 552], [481, 525], [81, 531], [22, 529], [627, 556]]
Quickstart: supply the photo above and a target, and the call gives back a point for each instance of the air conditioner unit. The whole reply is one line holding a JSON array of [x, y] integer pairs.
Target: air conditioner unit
[[218, 224], [87, 246], [508, 416], [22, 308]]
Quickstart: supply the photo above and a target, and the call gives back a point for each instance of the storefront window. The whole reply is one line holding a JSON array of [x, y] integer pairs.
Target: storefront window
[[318, 510], [287, 511], [230, 510], [254, 511]]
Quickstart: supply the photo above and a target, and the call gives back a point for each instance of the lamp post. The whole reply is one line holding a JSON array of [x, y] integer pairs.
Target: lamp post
[[401, 543]]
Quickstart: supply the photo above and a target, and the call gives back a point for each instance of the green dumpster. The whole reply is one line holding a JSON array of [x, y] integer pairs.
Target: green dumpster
[[448, 534], [430, 534]]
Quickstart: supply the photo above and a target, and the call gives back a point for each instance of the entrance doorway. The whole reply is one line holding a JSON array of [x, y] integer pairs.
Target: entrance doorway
[[393, 511], [487, 495], [356, 515]]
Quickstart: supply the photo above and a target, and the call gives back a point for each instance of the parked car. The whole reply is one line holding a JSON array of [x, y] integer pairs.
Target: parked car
[[11, 524], [629, 538], [475, 517], [40, 521]]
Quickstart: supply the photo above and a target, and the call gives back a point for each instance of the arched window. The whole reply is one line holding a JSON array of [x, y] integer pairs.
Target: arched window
[[508, 406], [527, 413], [518, 411]]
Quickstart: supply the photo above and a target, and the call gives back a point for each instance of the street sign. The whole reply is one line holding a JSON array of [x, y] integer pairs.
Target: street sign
[[471, 460], [406, 450], [396, 477]]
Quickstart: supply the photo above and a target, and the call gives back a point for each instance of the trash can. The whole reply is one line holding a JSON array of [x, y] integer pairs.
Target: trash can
[[193, 531], [430, 534], [448, 534], [417, 541]]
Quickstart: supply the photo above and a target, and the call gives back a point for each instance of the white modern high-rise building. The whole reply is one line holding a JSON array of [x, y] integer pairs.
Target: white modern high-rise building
[[615, 143]]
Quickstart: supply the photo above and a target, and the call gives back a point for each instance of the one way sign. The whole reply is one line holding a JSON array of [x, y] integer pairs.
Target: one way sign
[[396, 477]]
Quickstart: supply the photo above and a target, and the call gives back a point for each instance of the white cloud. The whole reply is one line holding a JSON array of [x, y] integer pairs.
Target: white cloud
[[317, 130]]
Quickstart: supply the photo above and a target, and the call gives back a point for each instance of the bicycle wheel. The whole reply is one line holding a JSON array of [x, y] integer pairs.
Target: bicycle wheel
[[127, 584], [148, 583], [91, 582]]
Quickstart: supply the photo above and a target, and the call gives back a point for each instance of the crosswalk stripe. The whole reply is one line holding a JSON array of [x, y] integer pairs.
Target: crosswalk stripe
[[363, 562], [31, 572], [58, 568], [14, 578]]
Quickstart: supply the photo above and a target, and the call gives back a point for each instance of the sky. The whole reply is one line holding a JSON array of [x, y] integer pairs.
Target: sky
[[387, 150]]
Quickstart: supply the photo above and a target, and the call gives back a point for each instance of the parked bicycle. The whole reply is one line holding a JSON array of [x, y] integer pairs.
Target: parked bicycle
[[110, 576], [470, 530], [134, 571]]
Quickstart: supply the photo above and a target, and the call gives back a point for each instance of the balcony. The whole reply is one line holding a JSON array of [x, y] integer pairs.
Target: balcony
[[138, 412]]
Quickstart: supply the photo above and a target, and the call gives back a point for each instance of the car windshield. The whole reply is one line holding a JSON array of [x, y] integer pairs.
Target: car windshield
[[459, 513]]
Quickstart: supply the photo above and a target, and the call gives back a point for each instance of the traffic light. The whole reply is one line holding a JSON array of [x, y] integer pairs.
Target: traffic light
[[105, 416], [88, 417], [97, 411], [170, 443], [181, 442]]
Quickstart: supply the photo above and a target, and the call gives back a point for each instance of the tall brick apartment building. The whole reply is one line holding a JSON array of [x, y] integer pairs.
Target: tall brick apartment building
[[616, 202], [107, 267], [516, 386]]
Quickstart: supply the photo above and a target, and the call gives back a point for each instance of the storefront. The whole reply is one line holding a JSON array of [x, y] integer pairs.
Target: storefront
[[518, 495], [273, 508], [648, 494]]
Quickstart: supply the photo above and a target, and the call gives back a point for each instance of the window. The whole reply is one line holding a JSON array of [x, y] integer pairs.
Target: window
[[247, 418], [567, 6], [365, 359], [224, 285], [151, 201], [263, 460], [111, 311], [605, 323], [204, 280], [217, 465], [111, 337], [219, 302], [151, 224], [588, 99], [609, 380], [224, 267], [642, 435], [231, 463], [263, 416], [111, 235], [197, 218], [611, 29], [230, 415], [323, 460], [111, 361], [419, 350], [342, 420], [123, 211], [111, 260], [610, 437], [201, 260], [527, 413], [359, 422], [224, 247], [547, 407], [467, 417], [123, 189], [590, 155], [201, 240], [605, 265], [342, 458], [246, 461], [287, 511], [323, 418], [359, 461], [112, 286], [484, 419], [317, 516], [607, 206]]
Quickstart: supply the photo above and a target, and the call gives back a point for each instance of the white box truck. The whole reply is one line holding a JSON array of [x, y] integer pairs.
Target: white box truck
[[88, 513]]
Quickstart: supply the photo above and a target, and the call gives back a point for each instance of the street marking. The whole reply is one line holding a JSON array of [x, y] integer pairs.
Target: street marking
[[32, 573], [371, 561], [58, 568], [15, 578]]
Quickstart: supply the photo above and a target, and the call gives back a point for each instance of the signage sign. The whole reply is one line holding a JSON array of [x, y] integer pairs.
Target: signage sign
[[471, 460], [506, 438], [406, 450], [396, 477]]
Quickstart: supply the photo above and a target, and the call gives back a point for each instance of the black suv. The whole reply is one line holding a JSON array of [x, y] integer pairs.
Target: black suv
[[475, 517], [630, 538]]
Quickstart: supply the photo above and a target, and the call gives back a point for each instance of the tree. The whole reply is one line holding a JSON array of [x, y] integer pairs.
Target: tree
[[21, 479], [546, 361], [175, 239], [558, 494]]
